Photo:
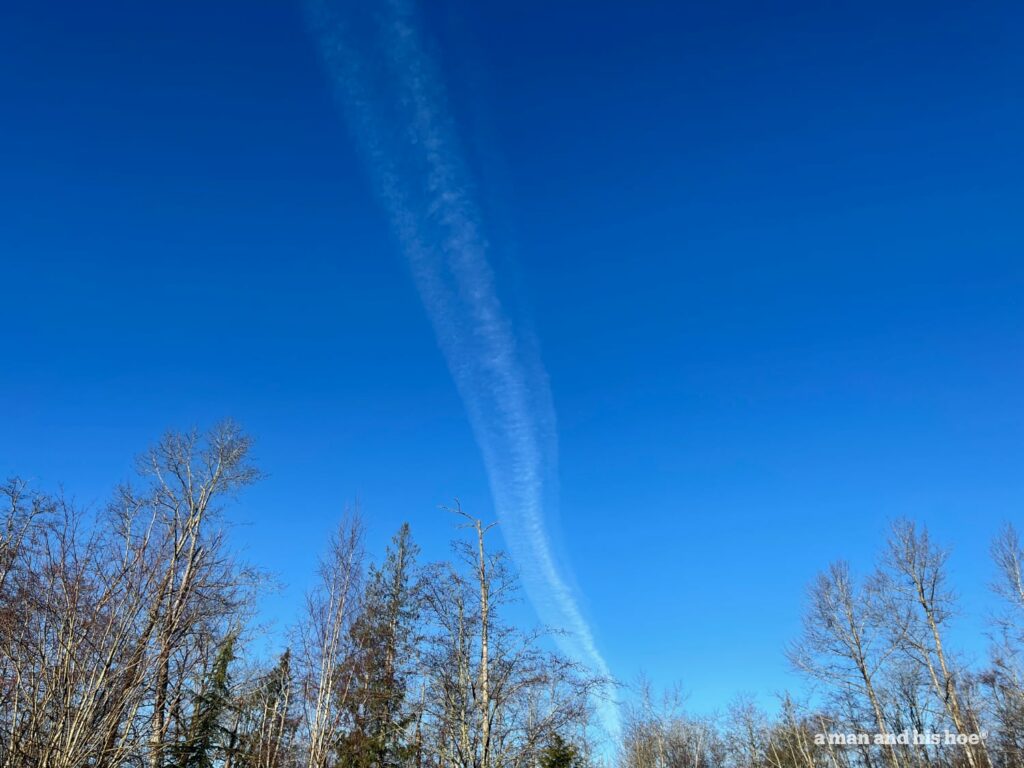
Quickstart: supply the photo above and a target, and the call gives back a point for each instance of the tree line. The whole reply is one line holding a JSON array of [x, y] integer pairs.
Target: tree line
[[128, 638], [887, 689]]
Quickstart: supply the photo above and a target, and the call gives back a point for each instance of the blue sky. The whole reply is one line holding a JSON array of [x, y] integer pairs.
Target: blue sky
[[770, 257]]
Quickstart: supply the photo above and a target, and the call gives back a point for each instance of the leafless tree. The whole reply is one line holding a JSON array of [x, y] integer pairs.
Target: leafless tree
[[846, 642], [324, 643], [492, 695], [115, 609], [918, 590], [1004, 680], [663, 735]]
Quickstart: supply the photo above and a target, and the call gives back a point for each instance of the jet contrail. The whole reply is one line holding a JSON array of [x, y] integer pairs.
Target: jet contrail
[[395, 104]]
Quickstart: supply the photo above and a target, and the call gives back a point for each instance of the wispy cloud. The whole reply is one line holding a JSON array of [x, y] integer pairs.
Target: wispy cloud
[[395, 103]]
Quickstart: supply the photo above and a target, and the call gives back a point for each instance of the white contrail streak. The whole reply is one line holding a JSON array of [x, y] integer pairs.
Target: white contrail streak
[[396, 108]]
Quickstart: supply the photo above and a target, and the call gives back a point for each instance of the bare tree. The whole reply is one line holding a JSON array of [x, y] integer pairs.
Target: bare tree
[[116, 609], [324, 647], [492, 695], [745, 732], [198, 583], [845, 642], [262, 725], [918, 591], [1004, 680]]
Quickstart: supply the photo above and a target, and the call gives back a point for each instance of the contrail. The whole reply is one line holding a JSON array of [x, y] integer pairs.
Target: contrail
[[396, 108]]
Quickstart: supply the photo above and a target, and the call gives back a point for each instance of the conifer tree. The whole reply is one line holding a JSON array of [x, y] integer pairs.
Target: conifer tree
[[384, 634], [206, 728], [559, 753]]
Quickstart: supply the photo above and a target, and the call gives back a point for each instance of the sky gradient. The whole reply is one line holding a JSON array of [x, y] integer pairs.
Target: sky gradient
[[770, 258]]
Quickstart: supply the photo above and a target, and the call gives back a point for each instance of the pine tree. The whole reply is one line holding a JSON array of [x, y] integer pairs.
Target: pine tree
[[384, 635], [559, 753], [205, 728]]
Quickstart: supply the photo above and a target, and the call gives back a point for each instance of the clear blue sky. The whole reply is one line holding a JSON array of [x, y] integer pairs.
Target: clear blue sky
[[771, 253]]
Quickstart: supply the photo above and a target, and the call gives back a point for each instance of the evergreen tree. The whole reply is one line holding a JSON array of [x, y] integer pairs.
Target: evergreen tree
[[384, 635], [205, 728], [266, 723], [559, 753]]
